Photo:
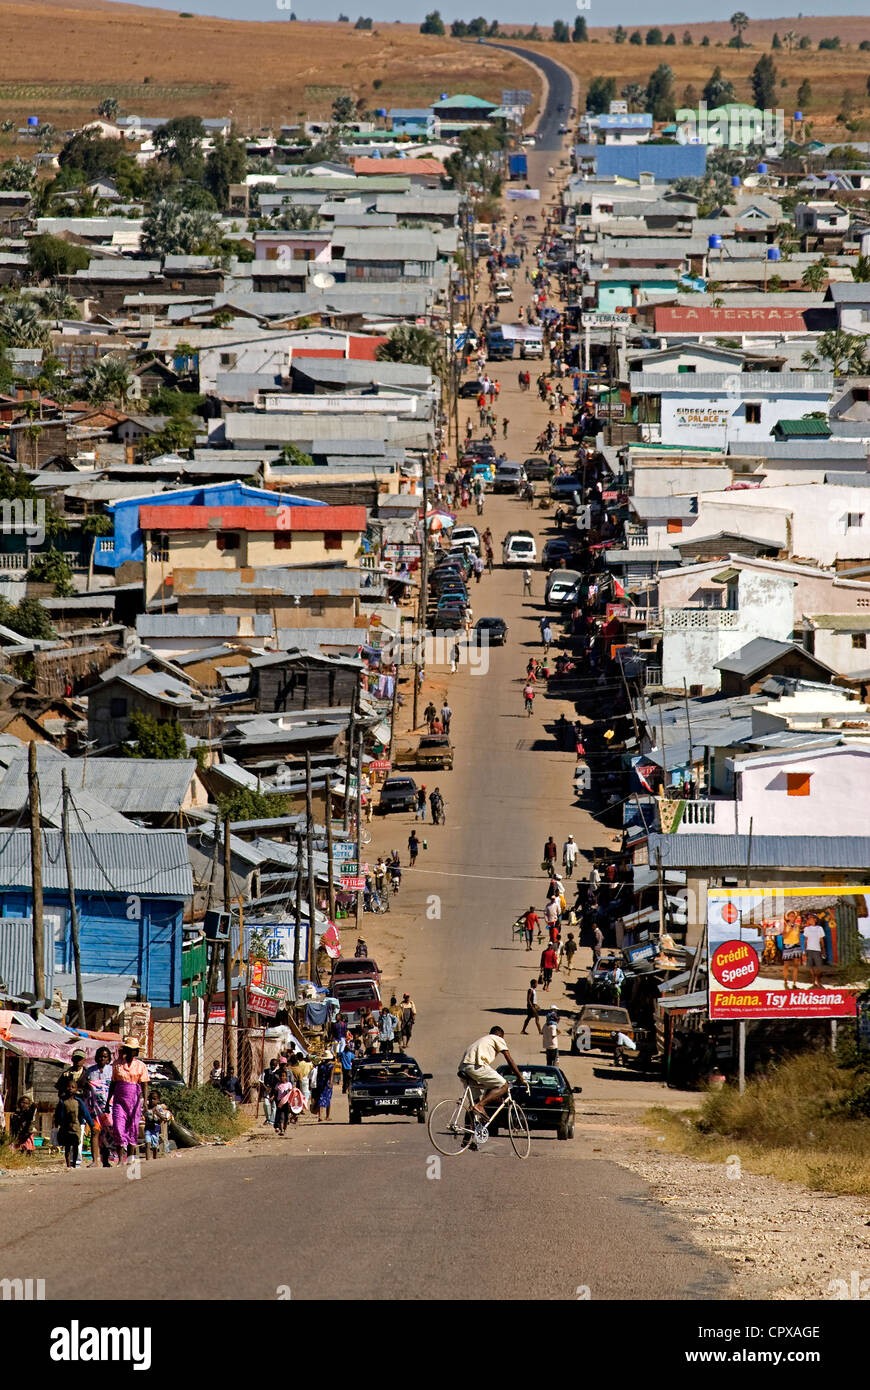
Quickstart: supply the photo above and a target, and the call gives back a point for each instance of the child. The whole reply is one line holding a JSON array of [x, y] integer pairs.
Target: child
[[282, 1100], [69, 1116], [21, 1123], [156, 1116]]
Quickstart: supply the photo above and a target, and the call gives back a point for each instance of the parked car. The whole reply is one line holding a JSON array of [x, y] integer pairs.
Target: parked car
[[549, 1101], [469, 390], [163, 1074], [490, 630], [355, 968], [398, 794], [532, 349], [355, 994], [555, 549], [512, 261], [519, 550], [465, 535], [562, 589], [388, 1086], [509, 477], [480, 448], [536, 469], [483, 468], [503, 294], [602, 1020], [564, 485], [451, 618]]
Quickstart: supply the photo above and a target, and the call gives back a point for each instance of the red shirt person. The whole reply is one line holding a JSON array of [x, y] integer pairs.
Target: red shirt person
[[549, 963]]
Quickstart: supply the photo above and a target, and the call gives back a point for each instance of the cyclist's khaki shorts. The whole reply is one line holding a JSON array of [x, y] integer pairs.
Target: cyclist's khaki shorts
[[486, 1077]]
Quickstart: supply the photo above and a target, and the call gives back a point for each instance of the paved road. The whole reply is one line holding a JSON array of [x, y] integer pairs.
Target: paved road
[[560, 88], [365, 1212]]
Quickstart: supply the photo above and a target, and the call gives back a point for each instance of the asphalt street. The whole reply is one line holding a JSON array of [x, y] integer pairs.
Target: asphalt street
[[334, 1211]]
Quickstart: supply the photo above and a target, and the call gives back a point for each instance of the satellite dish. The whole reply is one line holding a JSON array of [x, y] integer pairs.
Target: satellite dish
[[323, 280]]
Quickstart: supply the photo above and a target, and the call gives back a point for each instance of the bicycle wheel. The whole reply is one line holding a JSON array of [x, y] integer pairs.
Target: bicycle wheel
[[518, 1131], [448, 1128]]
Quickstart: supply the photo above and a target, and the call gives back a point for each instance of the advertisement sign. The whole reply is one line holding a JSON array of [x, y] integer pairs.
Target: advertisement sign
[[702, 416], [523, 195], [260, 1003], [380, 765], [648, 950], [344, 849], [278, 939], [353, 884], [771, 950]]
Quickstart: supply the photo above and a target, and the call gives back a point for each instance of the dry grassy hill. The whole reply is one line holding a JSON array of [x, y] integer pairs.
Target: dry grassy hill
[[157, 63]]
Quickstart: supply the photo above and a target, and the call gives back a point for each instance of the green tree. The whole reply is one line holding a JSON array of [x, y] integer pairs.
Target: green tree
[[363, 23], [248, 804], [30, 619], [291, 456], [17, 174], [459, 29], [433, 24], [225, 163], [815, 276], [764, 82], [718, 91], [619, 34], [861, 270], [155, 738], [739, 21], [343, 110], [636, 38], [409, 343], [108, 108], [108, 381], [687, 38], [690, 96], [22, 324], [58, 304], [49, 257], [705, 42], [829, 44], [653, 38], [670, 41], [179, 142], [660, 93], [478, 27], [600, 93], [580, 33], [804, 94], [561, 32], [775, 42], [791, 39], [805, 42], [846, 353], [171, 229], [50, 567], [635, 95], [177, 436]]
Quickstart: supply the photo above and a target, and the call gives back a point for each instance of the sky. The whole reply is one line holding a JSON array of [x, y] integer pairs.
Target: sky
[[597, 12]]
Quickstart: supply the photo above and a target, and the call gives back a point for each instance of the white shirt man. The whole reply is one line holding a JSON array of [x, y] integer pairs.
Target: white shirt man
[[569, 855]]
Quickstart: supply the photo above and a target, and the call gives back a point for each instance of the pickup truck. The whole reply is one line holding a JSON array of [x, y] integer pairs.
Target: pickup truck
[[432, 750]]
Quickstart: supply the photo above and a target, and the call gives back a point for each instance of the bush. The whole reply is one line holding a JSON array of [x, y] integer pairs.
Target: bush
[[204, 1110]]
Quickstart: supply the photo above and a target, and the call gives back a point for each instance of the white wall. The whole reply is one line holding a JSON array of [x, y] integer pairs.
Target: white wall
[[658, 480], [726, 416], [817, 513], [836, 650], [694, 640]]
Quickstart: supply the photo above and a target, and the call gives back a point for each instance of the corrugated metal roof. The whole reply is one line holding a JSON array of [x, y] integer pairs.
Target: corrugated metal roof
[[151, 863], [734, 383], [819, 450], [277, 579], [755, 654], [182, 518], [16, 956], [97, 989], [763, 318], [210, 625], [131, 786], [685, 851]]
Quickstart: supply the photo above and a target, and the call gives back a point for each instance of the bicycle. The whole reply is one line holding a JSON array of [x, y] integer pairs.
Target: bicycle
[[530, 703], [451, 1129]]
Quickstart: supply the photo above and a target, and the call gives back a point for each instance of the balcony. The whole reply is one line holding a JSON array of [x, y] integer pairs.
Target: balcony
[[702, 816], [701, 619]]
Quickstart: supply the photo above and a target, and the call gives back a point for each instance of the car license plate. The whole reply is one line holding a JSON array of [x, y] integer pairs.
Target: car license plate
[[387, 1102]]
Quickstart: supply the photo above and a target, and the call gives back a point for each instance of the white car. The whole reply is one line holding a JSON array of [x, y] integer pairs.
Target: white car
[[465, 536], [519, 550], [504, 294]]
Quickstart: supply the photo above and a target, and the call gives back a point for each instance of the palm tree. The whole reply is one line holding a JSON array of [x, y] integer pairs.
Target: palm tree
[[57, 304], [739, 21], [108, 380], [861, 270], [635, 95], [790, 39], [22, 324], [815, 277], [408, 343], [293, 218], [845, 352], [170, 229]]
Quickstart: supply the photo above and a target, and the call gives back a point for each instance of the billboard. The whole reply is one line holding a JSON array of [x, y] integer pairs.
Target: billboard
[[770, 950]]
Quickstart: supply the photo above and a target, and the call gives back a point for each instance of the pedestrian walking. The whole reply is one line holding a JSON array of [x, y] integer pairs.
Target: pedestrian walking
[[127, 1096], [550, 855], [549, 963], [568, 951], [322, 1097], [430, 713], [504, 427], [346, 1059], [527, 583], [268, 1082], [550, 1038], [408, 1015], [386, 1032], [446, 716], [532, 1010], [413, 847], [598, 942], [420, 813], [530, 922], [569, 856]]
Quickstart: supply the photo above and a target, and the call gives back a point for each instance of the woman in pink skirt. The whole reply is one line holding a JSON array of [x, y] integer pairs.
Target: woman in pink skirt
[[127, 1096]]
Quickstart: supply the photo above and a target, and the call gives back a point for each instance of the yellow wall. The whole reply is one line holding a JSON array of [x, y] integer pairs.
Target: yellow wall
[[199, 550]]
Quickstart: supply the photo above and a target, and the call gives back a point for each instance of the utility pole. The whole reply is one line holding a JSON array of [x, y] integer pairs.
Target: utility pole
[[741, 1026], [228, 951], [450, 383], [350, 728], [330, 879], [664, 758], [73, 908], [297, 932], [359, 768], [36, 879], [688, 726], [309, 860]]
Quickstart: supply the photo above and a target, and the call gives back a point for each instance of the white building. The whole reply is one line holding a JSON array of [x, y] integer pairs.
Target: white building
[[821, 522], [694, 639], [718, 409]]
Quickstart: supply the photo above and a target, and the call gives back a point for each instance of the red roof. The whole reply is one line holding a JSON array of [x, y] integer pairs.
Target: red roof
[[361, 347], [181, 518], [767, 318], [363, 164]]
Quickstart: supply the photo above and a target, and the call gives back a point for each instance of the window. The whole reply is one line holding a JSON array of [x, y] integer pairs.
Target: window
[[332, 540], [228, 540], [675, 525], [859, 640], [798, 783], [689, 367], [753, 412], [160, 547], [228, 359], [317, 608], [118, 707], [283, 540], [863, 603], [854, 519]]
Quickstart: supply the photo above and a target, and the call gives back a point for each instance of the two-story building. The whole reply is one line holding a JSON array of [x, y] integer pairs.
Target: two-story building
[[713, 408]]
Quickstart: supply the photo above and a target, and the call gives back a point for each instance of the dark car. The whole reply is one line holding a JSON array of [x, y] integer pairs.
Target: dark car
[[491, 630], [556, 549], [355, 968], [450, 619], [387, 1086], [536, 469], [163, 1074], [469, 390], [512, 261], [549, 1101], [480, 448], [565, 485], [398, 794]]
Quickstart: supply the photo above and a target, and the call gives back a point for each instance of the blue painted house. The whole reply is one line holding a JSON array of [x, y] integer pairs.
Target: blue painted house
[[131, 891], [128, 542]]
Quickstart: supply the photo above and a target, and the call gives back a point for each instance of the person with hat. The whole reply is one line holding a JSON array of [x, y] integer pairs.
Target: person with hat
[[550, 1038], [75, 1072], [409, 1018], [127, 1095], [322, 1096], [569, 856]]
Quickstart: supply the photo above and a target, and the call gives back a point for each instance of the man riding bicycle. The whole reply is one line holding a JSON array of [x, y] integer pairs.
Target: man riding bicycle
[[476, 1068]]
